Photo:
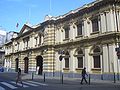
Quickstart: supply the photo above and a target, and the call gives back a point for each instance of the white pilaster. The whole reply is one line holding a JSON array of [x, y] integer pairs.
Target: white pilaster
[[87, 59], [72, 60], [108, 21], [118, 19], [112, 20], [113, 58], [72, 31], [87, 27], [105, 58], [114, 17]]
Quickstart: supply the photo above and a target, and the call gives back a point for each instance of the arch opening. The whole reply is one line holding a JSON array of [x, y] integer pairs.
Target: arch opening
[[26, 64], [39, 65]]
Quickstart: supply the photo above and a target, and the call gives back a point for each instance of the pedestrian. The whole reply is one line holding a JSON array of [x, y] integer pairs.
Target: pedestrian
[[83, 75], [19, 78]]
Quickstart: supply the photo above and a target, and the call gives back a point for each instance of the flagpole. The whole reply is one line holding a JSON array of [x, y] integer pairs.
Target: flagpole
[[50, 7], [17, 26], [29, 15]]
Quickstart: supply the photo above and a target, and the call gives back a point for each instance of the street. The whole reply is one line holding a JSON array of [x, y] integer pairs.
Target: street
[[7, 82]]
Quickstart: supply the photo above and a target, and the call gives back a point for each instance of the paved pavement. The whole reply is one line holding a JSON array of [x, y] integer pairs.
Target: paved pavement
[[12, 76], [55, 82]]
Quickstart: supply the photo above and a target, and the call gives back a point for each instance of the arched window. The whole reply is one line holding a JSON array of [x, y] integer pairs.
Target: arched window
[[80, 58], [67, 59], [96, 57]]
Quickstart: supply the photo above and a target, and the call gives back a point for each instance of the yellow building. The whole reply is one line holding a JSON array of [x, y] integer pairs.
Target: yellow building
[[85, 37]]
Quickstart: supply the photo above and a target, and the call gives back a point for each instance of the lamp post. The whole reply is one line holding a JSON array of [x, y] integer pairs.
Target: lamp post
[[61, 75], [61, 52]]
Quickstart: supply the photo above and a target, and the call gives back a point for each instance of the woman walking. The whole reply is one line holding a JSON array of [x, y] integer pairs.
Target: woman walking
[[19, 78]]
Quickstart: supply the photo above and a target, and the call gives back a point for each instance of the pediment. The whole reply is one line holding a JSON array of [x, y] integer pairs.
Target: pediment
[[24, 29]]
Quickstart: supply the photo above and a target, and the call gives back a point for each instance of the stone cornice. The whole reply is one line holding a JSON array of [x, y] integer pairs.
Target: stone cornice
[[34, 49], [99, 39], [8, 43], [86, 10]]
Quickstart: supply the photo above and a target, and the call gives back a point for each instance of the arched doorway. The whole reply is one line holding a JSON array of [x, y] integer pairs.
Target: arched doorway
[[39, 64], [16, 64], [26, 63]]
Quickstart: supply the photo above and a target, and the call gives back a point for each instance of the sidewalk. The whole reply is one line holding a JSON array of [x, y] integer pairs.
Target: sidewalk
[[12, 75], [69, 80]]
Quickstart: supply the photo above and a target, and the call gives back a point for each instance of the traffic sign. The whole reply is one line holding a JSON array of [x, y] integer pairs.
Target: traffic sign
[[117, 49], [60, 57]]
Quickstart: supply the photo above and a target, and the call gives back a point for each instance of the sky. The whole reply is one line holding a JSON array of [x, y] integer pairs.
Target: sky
[[33, 11]]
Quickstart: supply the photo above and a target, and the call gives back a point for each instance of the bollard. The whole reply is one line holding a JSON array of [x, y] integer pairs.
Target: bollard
[[118, 76], [101, 76], [44, 77], [62, 78], [32, 75], [114, 78], [89, 79]]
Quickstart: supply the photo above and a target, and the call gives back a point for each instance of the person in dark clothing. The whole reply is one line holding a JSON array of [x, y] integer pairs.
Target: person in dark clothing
[[83, 75], [19, 78]]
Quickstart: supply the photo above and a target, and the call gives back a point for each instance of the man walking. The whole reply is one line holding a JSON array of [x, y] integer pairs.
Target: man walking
[[83, 75]]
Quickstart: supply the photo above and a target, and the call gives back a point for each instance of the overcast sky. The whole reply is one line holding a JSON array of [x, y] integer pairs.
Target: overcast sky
[[33, 11]]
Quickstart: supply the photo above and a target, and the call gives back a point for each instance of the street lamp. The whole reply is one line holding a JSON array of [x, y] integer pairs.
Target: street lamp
[[61, 52]]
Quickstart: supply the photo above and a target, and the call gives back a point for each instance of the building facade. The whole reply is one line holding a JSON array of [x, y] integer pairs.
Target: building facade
[[2, 42], [85, 37], [7, 47]]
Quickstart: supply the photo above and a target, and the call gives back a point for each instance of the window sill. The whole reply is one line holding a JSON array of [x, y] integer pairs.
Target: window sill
[[66, 39], [96, 32], [78, 68], [79, 55], [96, 69], [65, 68], [79, 36]]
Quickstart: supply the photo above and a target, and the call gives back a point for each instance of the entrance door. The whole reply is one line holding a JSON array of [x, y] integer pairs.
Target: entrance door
[[16, 64], [39, 64], [26, 60]]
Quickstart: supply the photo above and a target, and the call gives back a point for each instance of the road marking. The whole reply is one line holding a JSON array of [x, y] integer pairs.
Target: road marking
[[29, 84], [19, 84], [8, 85], [37, 83], [1, 88]]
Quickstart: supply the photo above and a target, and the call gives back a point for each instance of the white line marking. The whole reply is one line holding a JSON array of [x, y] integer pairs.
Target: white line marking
[[1, 88], [29, 84], [8, 85], [37, 83], [19, 84]]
